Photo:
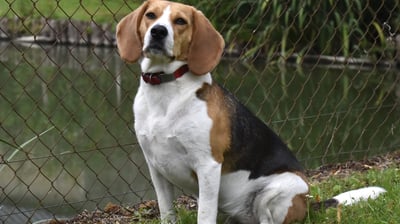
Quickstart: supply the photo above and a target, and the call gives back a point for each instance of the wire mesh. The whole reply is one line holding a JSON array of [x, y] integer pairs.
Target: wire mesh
[[324, 75]]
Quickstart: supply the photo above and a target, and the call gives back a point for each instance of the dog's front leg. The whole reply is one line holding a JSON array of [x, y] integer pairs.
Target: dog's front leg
[[209, 176], [165, 195]]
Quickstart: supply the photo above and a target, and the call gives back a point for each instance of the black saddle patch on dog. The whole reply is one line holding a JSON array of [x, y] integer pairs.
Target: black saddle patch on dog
[[254, 146]]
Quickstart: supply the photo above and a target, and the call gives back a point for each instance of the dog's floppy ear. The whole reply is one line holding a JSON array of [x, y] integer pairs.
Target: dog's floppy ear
[[129, 42], [206, 47]]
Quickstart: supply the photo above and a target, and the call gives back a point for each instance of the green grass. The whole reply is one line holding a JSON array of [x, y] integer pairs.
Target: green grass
[[371, 211], [96, 10], [383, 210]]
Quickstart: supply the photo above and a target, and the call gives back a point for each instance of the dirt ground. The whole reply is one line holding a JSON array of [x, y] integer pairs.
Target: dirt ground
[[146, 210]]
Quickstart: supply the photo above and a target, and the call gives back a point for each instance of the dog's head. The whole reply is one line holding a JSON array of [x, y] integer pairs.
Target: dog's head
[[163, 30]]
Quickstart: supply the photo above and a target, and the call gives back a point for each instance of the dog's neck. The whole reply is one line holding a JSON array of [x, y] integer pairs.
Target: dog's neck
[[159, 73], [148, 65], [161, 97]]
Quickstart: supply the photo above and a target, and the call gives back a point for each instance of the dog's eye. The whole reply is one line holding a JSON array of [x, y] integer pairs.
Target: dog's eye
[[151, 15], [180, 21]]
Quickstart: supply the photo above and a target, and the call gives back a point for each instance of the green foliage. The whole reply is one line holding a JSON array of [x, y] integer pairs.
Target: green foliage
[[348, 28], [273, 27], [98, 11]]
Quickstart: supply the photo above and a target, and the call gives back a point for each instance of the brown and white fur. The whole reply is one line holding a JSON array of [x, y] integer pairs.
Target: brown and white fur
[[195, 134]]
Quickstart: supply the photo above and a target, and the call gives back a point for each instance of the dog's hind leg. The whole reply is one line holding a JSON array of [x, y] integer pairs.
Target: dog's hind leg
[[282, 200], [265, 207]]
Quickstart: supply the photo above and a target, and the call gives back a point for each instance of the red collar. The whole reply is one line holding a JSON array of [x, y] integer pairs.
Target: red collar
[[160, 77]]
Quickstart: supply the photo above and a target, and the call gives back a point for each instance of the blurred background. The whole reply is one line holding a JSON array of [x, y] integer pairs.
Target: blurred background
[[323, 74]]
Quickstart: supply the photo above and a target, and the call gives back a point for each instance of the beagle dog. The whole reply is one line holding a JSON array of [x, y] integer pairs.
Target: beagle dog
[[195, 134]]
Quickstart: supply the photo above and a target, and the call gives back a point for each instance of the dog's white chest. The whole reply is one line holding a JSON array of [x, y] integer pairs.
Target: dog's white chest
[[173, 131]]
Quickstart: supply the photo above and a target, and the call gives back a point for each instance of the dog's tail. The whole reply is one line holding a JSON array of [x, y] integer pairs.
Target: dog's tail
[[349, 197]]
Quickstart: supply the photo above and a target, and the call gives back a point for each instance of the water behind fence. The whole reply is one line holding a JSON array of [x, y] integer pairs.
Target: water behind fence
[[66, 126]]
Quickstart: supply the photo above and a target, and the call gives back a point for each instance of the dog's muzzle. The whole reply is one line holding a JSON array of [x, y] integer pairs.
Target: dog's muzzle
[[158, 38]]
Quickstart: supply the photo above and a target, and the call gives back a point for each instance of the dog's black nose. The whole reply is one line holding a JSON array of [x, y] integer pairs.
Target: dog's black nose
[[159, 32]]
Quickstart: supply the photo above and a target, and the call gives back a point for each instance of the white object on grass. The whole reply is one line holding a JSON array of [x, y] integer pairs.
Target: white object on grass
[[362, 194]]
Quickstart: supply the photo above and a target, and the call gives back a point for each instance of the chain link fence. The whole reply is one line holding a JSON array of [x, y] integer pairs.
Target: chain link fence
[[323, 74]]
